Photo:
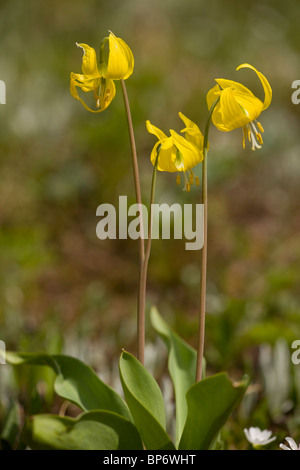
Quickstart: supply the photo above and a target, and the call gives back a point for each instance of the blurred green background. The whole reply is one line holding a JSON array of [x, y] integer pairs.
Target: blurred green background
[[62, 289]]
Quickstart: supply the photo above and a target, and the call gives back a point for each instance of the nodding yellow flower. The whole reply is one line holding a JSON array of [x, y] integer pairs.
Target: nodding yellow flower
[[91, 80], [239, 107], [177, 153], [99, 78], [119, 63]]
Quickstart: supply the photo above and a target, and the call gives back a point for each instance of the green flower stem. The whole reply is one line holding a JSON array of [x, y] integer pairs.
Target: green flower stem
[[201, 331], [141, 296], [143, 284]]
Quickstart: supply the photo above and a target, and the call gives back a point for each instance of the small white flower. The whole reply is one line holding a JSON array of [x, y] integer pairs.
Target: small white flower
[[257, 437], [292, 444]]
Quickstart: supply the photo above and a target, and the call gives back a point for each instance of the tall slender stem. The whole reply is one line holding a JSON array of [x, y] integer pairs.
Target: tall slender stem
[[143, 284], [202, 310], [138, 195]]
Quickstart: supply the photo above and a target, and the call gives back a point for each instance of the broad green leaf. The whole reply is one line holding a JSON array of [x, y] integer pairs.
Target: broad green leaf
[[145, 402], [182, 359], [210, 403], [76, 382], [94, 430]]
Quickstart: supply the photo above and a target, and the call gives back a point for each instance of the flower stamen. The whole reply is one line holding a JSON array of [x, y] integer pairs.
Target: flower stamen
[[254, 136], [187, 186], [260, 127], [191, 177]]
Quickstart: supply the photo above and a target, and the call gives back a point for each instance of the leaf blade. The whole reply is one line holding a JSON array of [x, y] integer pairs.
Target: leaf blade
[[93, 430], [145, 402], [75, 381], [210, 403], [182, 359]]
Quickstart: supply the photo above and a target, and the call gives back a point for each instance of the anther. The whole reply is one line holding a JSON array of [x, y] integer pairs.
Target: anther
[[259, 138], [260, 127]]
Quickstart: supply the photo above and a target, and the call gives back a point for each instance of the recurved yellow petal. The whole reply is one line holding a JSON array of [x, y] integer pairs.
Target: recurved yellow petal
[[192, 131], [89, 60], [155, 131], [266, 85]]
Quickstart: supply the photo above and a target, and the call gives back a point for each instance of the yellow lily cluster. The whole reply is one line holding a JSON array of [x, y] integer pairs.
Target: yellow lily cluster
[[177, 153], [99, 79], [234, 106]]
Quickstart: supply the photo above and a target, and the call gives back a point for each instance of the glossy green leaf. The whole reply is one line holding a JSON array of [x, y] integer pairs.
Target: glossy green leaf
[[182, 359], [145, 402], [210, 403], [94, 430], [76, 382]]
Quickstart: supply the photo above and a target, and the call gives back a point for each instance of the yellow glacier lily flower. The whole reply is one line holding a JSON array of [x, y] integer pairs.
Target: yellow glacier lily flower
[[177, 153], [239, 107], [91, 80], [119, 63]]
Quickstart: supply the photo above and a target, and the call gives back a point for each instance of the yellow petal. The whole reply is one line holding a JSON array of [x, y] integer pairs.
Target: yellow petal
[[237, 106], [250, 104], [104, 90], [231, 114], [85, 82], [107, 93], [129, 57], [166, 156], [224, 83], [120, 59], [155, 131], [212, 95], [154, 153], [190, 153], [266, 85], [192, 131], [89, 60]]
